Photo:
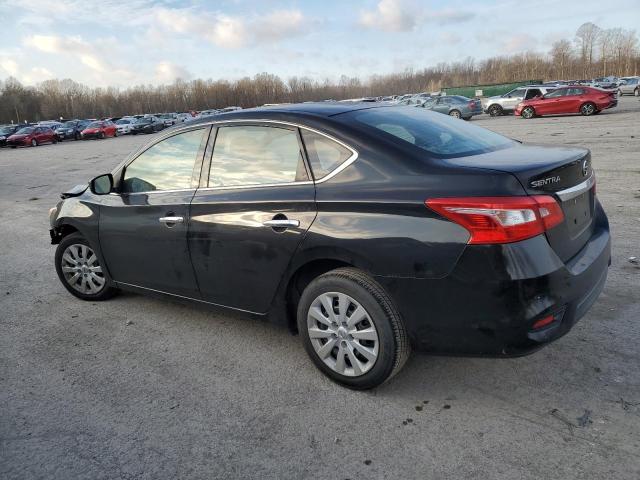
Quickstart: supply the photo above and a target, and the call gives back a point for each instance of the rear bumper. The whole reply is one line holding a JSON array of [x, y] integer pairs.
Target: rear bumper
[[488, 304]]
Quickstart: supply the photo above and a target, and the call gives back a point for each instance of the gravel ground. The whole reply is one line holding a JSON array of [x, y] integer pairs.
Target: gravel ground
[[145, 388]]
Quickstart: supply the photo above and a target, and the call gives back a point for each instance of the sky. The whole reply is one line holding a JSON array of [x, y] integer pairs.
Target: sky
[[125, 43]]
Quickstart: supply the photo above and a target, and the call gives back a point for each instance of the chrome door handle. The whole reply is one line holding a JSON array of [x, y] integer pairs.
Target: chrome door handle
[[171, 219], [283, 223]]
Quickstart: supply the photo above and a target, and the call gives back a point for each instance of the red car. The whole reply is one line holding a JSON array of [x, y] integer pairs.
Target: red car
[[100, 129], [572, 99], [32, 136]]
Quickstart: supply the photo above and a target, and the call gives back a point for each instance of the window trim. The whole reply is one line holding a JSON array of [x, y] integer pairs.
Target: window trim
[[298, 127]]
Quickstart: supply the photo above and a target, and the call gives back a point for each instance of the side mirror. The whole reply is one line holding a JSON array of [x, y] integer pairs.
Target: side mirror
[[102, 184]]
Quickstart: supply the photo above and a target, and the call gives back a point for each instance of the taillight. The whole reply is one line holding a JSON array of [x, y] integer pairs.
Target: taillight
[[500, 219]]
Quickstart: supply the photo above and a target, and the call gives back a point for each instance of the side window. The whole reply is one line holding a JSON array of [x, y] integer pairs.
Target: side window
[[519, 92], [532, 93], [556, 93], [256, 155], [324, 154], [168, 165]]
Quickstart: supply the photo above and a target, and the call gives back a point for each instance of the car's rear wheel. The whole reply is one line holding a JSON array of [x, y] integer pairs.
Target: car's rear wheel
[[351, 329], [34, 142], [495, 110], [79, 269], [528, 112], [588, 109]]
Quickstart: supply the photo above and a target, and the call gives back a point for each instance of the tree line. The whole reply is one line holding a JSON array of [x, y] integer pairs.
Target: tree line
[[594, 52]]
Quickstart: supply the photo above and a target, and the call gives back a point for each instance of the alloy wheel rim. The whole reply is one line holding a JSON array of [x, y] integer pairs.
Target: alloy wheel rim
[[343, 334], [527, 113], [455, 114], [82, 270], [588, 109]]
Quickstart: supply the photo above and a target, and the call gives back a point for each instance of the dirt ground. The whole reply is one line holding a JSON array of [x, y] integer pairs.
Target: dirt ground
[[141, 388]]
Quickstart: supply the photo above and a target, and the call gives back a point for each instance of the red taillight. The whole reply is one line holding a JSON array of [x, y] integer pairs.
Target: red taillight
[[500, 219]]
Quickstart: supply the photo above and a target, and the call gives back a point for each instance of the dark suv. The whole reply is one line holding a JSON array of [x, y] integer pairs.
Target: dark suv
[[369, 229]]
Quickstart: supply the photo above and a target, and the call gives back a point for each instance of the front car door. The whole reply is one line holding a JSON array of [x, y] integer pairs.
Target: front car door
[[513, 98], [442, 105], [143, 227], [251, 213], [551, 103]]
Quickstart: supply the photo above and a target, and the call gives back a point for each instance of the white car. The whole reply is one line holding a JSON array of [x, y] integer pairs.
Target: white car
[[124, 125], [183, 117]]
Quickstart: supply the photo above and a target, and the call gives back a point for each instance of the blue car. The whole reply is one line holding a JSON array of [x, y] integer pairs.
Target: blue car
[[454, 105]]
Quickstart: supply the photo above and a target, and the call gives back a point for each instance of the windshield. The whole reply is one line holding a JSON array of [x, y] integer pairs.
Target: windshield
[[440, 135], [69, 124], [144, 120], [95, 125], [6, 130], [123, 122], [25, 131]]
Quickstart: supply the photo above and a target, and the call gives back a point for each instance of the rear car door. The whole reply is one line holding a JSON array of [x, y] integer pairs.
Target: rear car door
[[572, 100], [251, 213], [143, 227]]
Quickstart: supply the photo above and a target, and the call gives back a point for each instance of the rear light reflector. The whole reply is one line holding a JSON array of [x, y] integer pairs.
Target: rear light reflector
[[543, 322], [500, 219]]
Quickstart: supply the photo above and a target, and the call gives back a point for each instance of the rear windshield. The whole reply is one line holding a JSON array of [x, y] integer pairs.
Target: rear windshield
[[440, 135]]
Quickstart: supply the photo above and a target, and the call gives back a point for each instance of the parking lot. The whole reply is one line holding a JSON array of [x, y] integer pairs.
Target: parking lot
[[144, 388]]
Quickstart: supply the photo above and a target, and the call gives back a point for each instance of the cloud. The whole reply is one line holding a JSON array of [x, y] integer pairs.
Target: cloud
[[167, 72], [279, 24], [406, 15], [10, 66], [390, 16]]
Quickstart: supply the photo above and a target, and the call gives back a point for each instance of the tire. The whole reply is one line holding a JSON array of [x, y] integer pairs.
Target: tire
[[636, 92], [101, 136], [351, 289], [455, 114], [115, 134], [528, 112], [620, 93], [587, 109], [83, 255], [466, 118], [34, 142], [495, 110]]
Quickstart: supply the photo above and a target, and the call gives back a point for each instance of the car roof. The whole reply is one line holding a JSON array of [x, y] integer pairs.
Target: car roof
[[316, 109]]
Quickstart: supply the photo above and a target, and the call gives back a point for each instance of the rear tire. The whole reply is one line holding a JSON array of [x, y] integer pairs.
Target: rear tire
[[360, 311], [528, 112], [495, 110], [80, 271], [587, 109]]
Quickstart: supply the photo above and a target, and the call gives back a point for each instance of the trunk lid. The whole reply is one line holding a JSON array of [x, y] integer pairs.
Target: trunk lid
[[563, 172]]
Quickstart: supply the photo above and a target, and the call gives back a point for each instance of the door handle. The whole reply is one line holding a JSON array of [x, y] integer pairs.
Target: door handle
[[171, 219], [281, 223]]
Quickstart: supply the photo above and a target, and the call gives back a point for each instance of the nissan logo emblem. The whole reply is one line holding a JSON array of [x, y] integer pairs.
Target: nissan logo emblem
[[585, 168]]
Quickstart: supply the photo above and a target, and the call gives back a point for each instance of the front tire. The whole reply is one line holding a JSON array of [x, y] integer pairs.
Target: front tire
[[101, 136], [34, 142], [495, 110], [455, 114], [636, 92], [351, 329], [528, 112], [79, 269]]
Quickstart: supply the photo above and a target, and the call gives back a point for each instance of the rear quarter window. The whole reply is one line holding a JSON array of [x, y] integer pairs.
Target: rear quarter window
[[325, 155]]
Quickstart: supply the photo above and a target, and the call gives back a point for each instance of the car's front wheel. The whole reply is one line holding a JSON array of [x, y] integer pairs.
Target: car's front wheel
[[455, 114], [34, 142], [528, 112], [495, 110], [351, 329], [79, 269]]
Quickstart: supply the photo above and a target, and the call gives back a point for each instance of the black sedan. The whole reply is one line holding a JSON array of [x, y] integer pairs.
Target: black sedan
[[369, 229], [147, 125], [71, 129]]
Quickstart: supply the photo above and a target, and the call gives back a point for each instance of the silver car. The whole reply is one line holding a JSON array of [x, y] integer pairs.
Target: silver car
[[503, 104], [629, 86]]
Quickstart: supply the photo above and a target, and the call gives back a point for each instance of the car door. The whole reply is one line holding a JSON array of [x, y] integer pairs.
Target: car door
[[442, 105], [143, 227], [572, 101], [251, 213], [551, 103], [513, 98]]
